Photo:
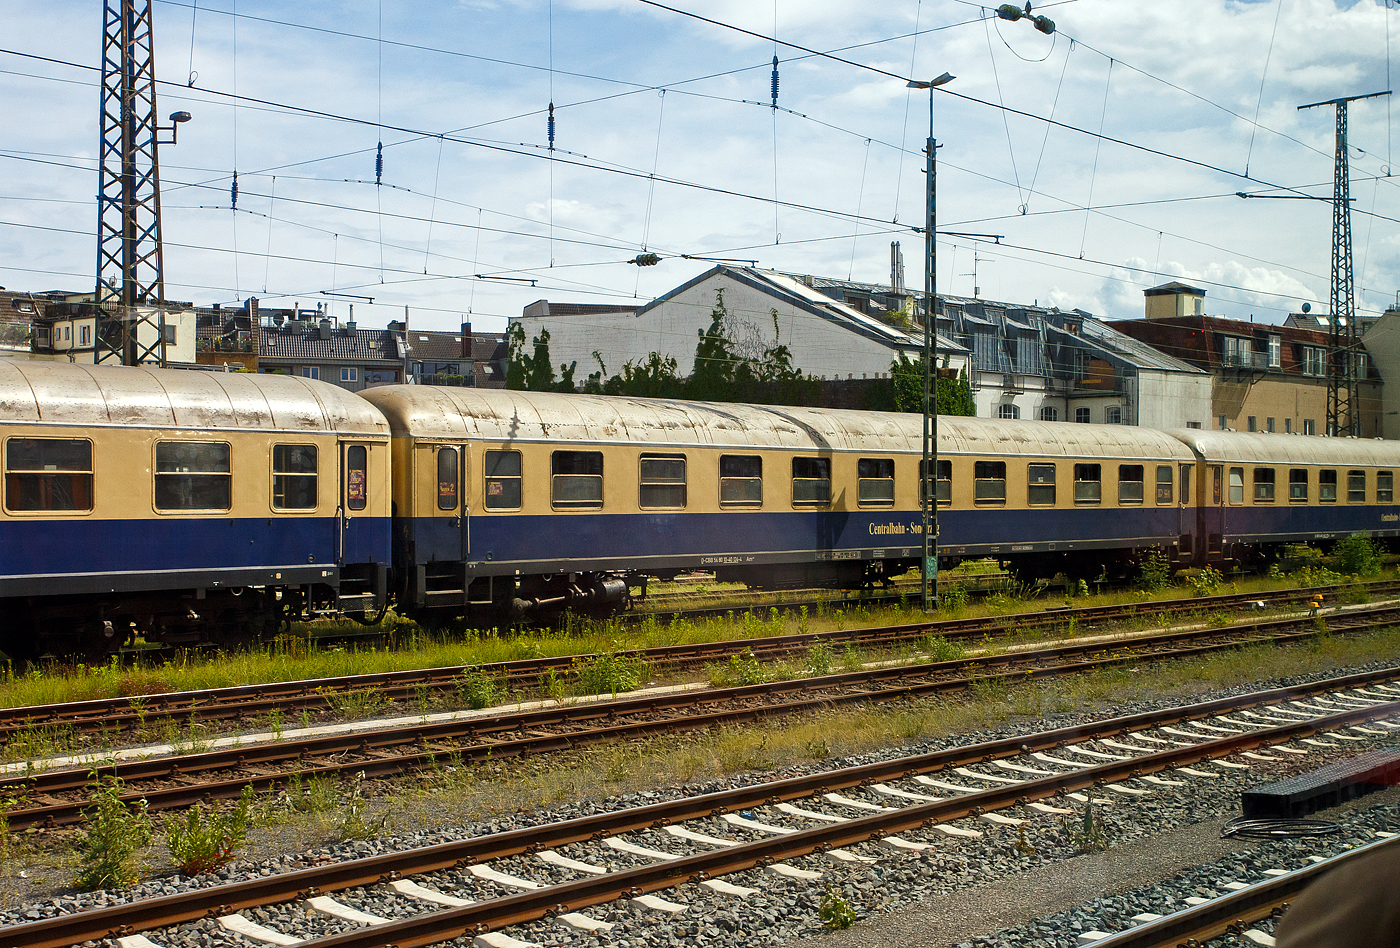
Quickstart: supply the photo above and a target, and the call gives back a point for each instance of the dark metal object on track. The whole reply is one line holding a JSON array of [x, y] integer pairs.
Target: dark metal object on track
[[426, 929], [1324, 787]]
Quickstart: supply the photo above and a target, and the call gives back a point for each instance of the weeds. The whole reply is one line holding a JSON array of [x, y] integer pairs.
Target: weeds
[[741, 669], [200, 843], [609, 673], [941, 649], [1155, 571], [1207, 581], [1086, 832], [953, 598], [820, 659], [1358, 555], [353, 824], [113, 836], [356, 704], [476, 689], [834, 911]]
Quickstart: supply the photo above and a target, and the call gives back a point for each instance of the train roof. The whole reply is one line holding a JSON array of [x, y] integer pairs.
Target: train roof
[[62, 393], [502, 416], [1261, 448]]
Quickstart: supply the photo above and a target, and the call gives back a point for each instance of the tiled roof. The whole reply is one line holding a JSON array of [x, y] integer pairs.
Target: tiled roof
[[363, 345]]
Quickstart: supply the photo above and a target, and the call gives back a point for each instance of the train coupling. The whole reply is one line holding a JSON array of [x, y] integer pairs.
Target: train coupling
[[603, 590]]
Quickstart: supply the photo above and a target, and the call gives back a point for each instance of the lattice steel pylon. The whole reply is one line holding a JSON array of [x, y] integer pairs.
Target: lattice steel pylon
[[130, 271], [1343, 386]]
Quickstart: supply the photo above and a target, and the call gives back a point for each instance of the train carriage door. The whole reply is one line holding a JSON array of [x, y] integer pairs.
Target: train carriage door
[[353, 504], [1213, 512], [1186, 525], [440, 528]]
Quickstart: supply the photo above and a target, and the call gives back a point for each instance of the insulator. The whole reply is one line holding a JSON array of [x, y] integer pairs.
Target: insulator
[[1009, 11], [551, 126], [233, 193], [775, 81], [1044, 24], [645, 260], [379, 165]]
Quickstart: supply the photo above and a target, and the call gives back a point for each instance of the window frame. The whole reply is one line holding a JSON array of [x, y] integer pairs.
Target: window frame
[[349, 374], [157, 473], [818, 463], [1113, 415], [554, 475], [943, 487], [1170, 497], [490, 474], [1049, 413], [311, 372], [1236, 500], [1264, 480], [276, 475], [1008, 412], [741, 504], [1385, 494], [1352, 477], [643, 483], [1083, 416], [90, 484], [1294, 495], [1097, 482], [441, 478], [1325, 478], [356, 495], [862, 480], [983, 473], [1038, 487], [1140, 481]]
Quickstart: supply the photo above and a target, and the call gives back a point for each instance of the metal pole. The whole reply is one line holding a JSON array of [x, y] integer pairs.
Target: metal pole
[[930, 460]]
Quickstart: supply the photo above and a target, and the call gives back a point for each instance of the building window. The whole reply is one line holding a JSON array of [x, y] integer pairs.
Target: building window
[[1275, 352], [48, 474], [1008, 411], [1193, 424], [1081, 416], [1288, 426], [1314, 361], [1385, 487], [1298, 485], [502, 480], [192, 475], [84, 335], [1309, 426], [1236, 485], [989, 479], [1236, 351], [357, 477], [349, 375], [662, 481], [1269, 425], [447, 478], [811, 481], [310, 372], [294, 476], [1327, 486], [577, 479], [1130, 483], [1164, 483], [1263, 485], [875, 481], [1220, 423], [1040, 485], [1088, 484], [1113, 415], [1356, 487], [1253, 425], [740, 480], [168, 334], [1049, 413], [41, 335]]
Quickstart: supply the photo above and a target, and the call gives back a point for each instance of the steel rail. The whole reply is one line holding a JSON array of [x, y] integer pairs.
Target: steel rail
[[106, 714], [143, 915], [1233, 913], [370, 746]]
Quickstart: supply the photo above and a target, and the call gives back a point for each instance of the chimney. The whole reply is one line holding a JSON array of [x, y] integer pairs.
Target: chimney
[[325, 329], [896, 269], [466, 340], [254, 333]]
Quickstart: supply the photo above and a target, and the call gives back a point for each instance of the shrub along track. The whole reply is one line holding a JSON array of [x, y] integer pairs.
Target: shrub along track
[[430, 927], [111, 716], [57, 797]]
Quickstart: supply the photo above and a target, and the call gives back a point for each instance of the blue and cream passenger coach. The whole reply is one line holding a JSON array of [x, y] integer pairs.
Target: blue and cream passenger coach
[[521, 502], [183, 506]]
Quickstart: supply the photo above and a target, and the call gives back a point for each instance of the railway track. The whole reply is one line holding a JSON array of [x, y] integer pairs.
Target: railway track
[[118, 715], [57, 797], [781, 833]]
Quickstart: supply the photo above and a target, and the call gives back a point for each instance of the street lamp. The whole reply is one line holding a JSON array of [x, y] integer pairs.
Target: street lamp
[[929, 485]]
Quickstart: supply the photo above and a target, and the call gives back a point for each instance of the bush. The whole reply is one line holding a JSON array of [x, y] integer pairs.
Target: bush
[[609, 673], [1155, 571], [200, 843], [834, 911], [1357, 554], [1207, 581], [113, 836], [953, 597], [476, 689]]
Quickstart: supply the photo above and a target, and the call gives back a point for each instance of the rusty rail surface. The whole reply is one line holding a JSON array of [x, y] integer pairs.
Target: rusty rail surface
[[432, 927]]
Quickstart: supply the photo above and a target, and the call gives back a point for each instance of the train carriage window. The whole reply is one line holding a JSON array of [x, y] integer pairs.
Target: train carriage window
[[1165, 483], [1040, 485], [1185, 484], [48, 474], [811, 481], [1215, 473], [1236, 485], [447, 479], [945, 483], [502, 480], [1130, 483], [875, 482], [1356, 487], [357, 477], [1385, 487], [989, 480], [740, 480], [662, 481], [192, 475], [578, 479], [1088, 484], [1263, 485], [1298, 485], [294, 476], [1327, 487]]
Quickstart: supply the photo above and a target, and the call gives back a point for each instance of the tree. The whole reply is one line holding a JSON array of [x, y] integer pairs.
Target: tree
[[953, 396], [533, 373], [712, 379]]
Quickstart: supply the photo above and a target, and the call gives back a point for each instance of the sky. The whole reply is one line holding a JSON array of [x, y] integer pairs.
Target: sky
[[666, 142]]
